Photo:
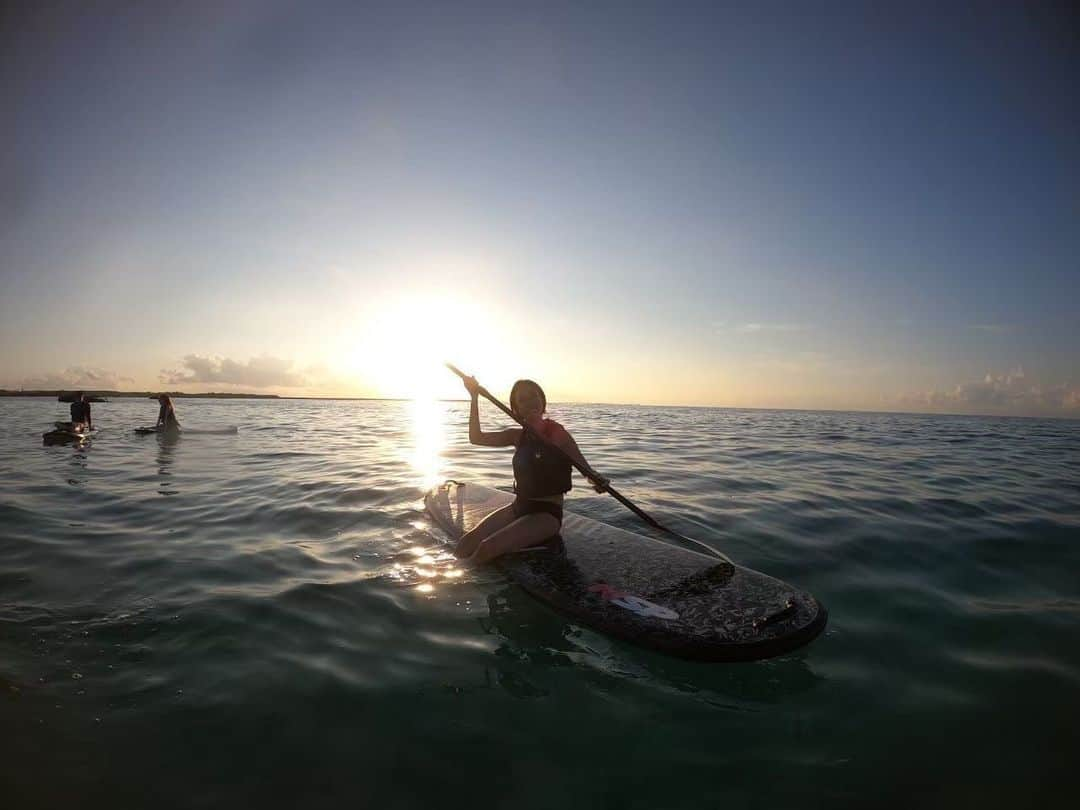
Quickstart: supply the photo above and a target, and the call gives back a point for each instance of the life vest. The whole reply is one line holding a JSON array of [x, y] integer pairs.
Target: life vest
[[540, 470]]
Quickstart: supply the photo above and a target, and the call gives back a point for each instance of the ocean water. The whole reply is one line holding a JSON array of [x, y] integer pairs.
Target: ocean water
[[269, 619]]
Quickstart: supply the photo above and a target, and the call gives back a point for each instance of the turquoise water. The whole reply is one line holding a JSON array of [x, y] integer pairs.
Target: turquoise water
[[270, 619]]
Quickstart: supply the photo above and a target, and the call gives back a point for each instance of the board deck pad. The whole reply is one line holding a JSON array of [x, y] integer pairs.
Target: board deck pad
[[645, 591]]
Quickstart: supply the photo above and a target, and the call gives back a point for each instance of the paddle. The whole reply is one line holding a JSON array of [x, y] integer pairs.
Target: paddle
[[608, 489]]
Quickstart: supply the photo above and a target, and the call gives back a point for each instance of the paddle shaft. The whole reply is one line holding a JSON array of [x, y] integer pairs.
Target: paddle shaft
[[588, 473]]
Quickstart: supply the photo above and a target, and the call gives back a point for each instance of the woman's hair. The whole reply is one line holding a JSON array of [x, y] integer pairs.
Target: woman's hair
[[517, 390], [165, 399]]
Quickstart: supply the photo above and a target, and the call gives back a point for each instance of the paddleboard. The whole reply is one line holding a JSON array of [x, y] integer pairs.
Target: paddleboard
[[651, 593], [159, 430], [224, 431]]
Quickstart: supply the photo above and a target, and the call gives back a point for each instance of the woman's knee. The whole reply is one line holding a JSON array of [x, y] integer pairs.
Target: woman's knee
[[493, 523], [531, 531]]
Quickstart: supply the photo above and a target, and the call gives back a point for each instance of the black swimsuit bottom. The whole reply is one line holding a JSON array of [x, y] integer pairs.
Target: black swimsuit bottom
[[527, 506]]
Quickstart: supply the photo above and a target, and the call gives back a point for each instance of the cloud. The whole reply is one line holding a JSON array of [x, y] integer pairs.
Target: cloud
[[991, 328], [793, 364], [258, 372], [1012, 392], [753, 328], [73, 377]]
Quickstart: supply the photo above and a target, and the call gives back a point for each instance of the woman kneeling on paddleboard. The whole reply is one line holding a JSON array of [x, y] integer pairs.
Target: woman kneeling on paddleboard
[[541, 476]]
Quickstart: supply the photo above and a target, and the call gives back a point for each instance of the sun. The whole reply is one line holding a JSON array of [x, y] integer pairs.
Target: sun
[[403, 343]]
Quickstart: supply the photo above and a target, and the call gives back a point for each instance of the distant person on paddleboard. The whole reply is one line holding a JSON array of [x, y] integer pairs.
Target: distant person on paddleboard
[[166, 419], [541, 477], [80, 411]]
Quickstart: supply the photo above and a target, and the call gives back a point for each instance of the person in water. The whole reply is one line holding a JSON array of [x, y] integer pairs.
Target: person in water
[[166, 419], [541, 477], [80, 411]]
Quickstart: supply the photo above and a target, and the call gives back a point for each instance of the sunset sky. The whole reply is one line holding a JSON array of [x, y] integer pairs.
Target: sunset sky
[[852, 207]]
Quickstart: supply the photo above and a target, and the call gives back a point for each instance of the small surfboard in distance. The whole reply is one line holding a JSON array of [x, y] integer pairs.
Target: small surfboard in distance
[[645, 591], [222, 431]]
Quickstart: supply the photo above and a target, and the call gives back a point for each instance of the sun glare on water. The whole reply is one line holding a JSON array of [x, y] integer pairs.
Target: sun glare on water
[[429, 439]]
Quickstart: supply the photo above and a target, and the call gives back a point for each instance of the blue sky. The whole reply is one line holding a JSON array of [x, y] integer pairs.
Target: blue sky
[[773, 206]]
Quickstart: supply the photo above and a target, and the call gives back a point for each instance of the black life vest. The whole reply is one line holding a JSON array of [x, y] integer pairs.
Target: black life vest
[[540, 470]]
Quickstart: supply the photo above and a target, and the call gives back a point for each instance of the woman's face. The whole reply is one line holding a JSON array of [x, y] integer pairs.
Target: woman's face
[[529, 402]]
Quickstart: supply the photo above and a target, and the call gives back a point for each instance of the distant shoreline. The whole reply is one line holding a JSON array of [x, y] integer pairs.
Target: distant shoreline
[[102, 395], [105, 396], [4, 392]]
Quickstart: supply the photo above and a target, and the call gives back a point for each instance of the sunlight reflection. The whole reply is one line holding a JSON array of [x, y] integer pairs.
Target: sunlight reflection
[[428, 440]]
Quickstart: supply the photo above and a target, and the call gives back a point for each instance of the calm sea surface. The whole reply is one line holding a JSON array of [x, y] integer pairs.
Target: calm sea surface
[[270, 619]]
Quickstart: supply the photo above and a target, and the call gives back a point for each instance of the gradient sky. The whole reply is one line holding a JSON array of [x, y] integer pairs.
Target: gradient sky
[[782, 205]]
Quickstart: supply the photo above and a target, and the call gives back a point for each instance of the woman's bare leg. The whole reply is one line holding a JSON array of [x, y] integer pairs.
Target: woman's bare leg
[[526, 531], [471, 540]]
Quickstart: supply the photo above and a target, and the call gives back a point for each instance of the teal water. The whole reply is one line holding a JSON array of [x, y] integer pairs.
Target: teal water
[[270, 619]]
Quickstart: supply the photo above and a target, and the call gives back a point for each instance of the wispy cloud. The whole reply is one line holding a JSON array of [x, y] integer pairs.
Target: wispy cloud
[[78, 377], [759, 327], [800, 363], [991, 328], [770, 327]]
